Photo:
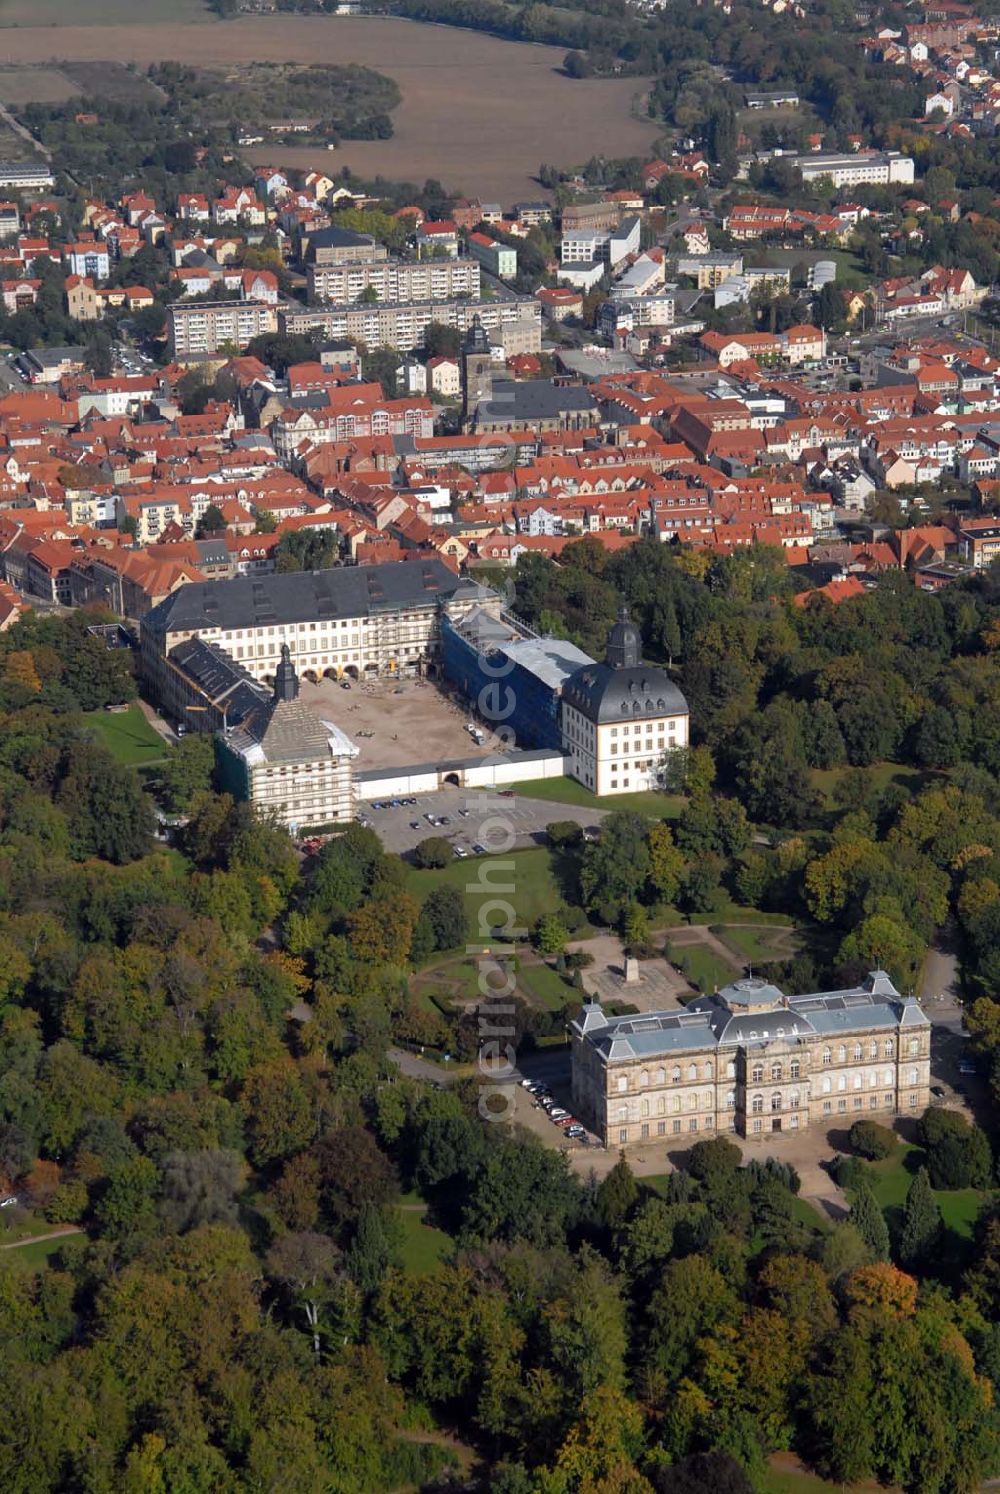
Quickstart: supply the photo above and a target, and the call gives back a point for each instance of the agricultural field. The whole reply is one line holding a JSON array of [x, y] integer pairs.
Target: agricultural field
[[476, 112], [29, 85], [56, 85], [37, 13]]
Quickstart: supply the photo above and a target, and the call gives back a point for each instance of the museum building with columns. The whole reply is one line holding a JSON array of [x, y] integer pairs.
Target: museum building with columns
[[752, 1061]]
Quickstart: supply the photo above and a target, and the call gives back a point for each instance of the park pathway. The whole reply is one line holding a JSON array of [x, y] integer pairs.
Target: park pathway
[[53, 1234], [421, 1068]]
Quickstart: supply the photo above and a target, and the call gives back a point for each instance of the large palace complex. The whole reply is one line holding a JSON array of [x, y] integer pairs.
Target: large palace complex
[[753, 1061], [212, 652]]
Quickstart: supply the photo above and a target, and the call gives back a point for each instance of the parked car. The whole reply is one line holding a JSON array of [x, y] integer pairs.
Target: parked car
[[937, 1091], [414, 824], [461, 852], [506, 793], [478, 850], [345, 684]]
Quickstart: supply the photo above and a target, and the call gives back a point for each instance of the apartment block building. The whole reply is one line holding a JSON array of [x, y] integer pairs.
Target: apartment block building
[[516, 323], [590, 245], [710, 270], [201, 329], [394, 280], [498, 259]]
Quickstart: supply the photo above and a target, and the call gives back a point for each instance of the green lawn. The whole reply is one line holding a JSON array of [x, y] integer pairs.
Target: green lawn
[[39, 1252], [891, 1180], [851, 273], [440, 986], [128, 735], [568, 791], [422, 1246], [806, 1214], [730, 912], [757, 945], [453, 980], [879, 775], [665, 916], [545, 985], [524, 879], [703, 967], [780, 1482], [175, 861]]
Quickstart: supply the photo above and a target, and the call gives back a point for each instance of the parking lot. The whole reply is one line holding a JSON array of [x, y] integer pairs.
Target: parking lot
[[464, 813], [552, 1070]]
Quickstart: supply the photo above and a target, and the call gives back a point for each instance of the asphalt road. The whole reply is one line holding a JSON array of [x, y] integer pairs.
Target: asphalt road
[[472, 816]]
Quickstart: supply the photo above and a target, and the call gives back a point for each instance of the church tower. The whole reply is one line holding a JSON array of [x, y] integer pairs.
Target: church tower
[[286, 681], [624, 650], [477, 371]]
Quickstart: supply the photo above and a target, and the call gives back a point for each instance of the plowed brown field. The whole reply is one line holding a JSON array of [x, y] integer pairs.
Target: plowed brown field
[[478, 113]]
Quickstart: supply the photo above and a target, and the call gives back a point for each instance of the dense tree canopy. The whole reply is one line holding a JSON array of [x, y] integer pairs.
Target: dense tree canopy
[[196, 1068]]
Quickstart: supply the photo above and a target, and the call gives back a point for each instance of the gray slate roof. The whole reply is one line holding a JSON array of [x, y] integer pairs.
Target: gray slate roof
[[709, 1021], [306, 596], [223, 681], [603, 694], [533, 399], [339, 238]]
